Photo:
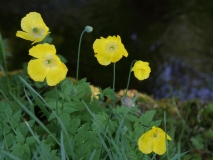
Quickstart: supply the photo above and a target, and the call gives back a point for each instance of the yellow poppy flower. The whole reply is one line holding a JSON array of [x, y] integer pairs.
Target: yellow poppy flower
[[34, 28], [141, 70], [46, 65], [153, 141], [109, 50]]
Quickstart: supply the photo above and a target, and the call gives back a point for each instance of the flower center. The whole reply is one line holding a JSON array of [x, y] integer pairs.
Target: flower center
[[37, 32], [111, 47], [142, 70], [155, 135], [49, 61]]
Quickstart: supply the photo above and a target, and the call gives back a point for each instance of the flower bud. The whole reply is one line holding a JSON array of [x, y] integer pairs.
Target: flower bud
[[127, 102], [88, 29]]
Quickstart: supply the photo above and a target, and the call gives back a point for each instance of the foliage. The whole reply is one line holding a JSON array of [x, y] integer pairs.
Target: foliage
[[85, 127], [82, 128], [68, 122]]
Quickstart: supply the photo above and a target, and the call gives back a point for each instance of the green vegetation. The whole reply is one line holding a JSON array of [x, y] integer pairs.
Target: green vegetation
[[67, 122]]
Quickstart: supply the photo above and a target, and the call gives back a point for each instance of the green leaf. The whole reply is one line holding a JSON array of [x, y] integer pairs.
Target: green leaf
[[7, 128], [62, 58], [26, 148], [50, 94], [122, 110], [66, 87], [23, 128], [99, 122], [52, 115], [17, 150], [65, 118], [95, 106], [73, 126], [109, 93], [30, 140], [5, 108], [197, 142], [156, 123], [68, 107], [131, 118], [83, 89], [112, 125], [52, 103], [146, 118], [138, 131], [15, 118], [9, 139], [19, 137], [82, 129], [76, 105]]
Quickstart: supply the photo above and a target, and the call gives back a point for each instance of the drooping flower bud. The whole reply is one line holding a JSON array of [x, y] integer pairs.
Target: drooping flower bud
[[88, 29]]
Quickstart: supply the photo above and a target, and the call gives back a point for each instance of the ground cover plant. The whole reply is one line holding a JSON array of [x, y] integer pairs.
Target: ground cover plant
[[47, 115]]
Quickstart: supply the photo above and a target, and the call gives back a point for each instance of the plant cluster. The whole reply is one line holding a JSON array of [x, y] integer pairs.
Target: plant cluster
[[46, 115]]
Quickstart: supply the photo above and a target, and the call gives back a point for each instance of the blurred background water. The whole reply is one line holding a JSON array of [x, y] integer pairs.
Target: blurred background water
[[174, 36]]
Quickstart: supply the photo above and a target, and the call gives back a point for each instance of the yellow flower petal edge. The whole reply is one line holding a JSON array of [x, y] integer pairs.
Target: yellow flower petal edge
[[40, 50], [34, 28], [153, 141], [47, 65], [109, 50], [141, 70]]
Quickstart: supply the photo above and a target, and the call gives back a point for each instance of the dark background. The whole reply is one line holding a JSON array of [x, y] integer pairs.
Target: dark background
[[174, 36]]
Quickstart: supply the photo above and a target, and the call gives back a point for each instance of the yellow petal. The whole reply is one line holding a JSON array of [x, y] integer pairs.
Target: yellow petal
[[41, 50], [159, 143], [141, 74], [120, 51], [141, 70], [24, 35], [124, 52], [32, 21], [116, 57], [145, 144], [168, 137], [99, 46], [103, 60], [121, 48], [109, 50], [37, 70], [56, 74]]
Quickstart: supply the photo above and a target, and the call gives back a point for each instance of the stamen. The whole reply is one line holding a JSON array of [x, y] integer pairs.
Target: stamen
[[38, 32], [48, 61], [155, 133], [35, 30], [111, 47]]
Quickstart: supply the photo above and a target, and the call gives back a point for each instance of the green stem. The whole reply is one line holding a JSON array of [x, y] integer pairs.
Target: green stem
[[114, 77], [129, 77], [56, 110], [2, 51], [111, 108], [166, 141], [79, 47]]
